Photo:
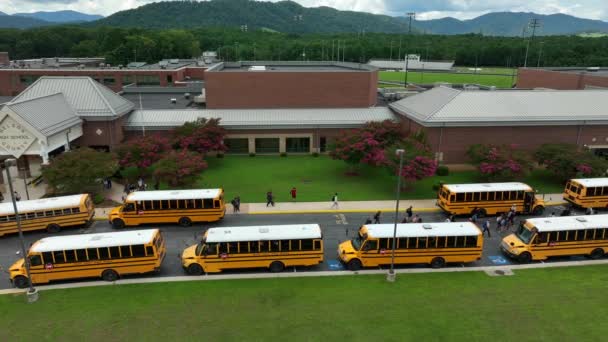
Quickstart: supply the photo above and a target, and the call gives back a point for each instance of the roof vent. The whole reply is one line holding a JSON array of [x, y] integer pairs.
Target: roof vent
[[427, 226], [581, 219], [174, 100], [174, 192], [593, 69], [263, 230]]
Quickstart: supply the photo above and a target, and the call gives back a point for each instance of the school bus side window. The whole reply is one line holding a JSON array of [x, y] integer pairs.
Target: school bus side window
[[35, 260], [208, 203], [48, 257], [460, 197], [370, 245]]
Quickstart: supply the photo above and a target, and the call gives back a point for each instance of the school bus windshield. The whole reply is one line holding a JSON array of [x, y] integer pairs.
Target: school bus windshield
[[357, 242], [524, 234]]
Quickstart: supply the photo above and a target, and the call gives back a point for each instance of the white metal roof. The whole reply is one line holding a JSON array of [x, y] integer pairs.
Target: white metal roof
[[444, 106], [173, 194], [42, 204], [36, 112], [261, 118], [482, 187], [592, 181], [87, 97], [423, 229], [551, 224], [58, 243], [264, 233]]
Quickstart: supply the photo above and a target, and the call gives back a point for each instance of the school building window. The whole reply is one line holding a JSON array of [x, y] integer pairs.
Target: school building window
[[298, 145], [237, 145], [267, 145]]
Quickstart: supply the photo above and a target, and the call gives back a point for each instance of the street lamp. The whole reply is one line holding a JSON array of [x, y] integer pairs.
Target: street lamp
[[32, 293], [391, 273]]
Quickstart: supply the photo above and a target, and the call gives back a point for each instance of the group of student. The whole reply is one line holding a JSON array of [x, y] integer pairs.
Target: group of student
[[504, 222], [409, 217]]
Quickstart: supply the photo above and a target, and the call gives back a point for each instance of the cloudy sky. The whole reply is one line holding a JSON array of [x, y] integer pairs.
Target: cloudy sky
[[425, 9]]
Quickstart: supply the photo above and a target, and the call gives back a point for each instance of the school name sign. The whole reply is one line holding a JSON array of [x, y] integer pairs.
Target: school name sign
[[14, 138]]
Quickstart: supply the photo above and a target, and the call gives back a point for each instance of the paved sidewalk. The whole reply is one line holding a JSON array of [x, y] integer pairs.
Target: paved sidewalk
[[427, 205]]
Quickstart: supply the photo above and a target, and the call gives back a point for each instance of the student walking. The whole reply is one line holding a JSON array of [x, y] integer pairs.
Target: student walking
[[377, 217], [416, 219], [334, 200], [269, 199], [238, 204], [293, 193], [409, 213], [234, 206], [17, 196], [368, 221], [486, 228]]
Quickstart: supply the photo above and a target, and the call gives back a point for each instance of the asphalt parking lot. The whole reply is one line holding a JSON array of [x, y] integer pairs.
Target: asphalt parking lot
[[336, 228]]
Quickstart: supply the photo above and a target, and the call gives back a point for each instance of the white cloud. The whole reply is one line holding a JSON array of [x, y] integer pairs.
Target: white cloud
[[425, 9]]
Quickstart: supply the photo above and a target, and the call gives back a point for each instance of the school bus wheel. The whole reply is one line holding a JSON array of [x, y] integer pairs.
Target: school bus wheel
[[596, 253], [276, 267], [194, 269], [20, 282], [524, 258], [185, 222], [118, 223], [539, 210], [109, 275], [53, 228], [354, 265], [438, 262]]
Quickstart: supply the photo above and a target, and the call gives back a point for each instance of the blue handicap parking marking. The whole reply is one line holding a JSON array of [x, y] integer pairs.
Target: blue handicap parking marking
[[335, 265], [499, 260]]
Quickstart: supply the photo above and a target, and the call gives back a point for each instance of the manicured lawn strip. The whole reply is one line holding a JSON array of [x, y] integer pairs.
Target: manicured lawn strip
[[317, 178], [558, 304], [486, 70], [428, 77]]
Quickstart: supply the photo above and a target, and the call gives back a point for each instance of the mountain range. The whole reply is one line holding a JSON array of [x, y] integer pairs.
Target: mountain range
[[291, 17], [37, 19]]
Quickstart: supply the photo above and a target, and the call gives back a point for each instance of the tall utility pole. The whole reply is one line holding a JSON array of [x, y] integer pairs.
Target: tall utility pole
[[534, 24], [391, 50], [411, 15], [409, 32]]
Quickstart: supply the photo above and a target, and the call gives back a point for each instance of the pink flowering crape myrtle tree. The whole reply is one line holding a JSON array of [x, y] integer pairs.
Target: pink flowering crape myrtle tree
[[179, 168], [500, 162]]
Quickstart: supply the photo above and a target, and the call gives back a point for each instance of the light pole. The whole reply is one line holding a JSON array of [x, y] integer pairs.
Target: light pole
[[391, 273], [411, 15], [32, 293], [540, 53]]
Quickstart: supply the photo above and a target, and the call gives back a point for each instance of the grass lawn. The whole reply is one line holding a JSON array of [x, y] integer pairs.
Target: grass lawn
[[488, 70], [318, 178], [557, 304], [427, 77]]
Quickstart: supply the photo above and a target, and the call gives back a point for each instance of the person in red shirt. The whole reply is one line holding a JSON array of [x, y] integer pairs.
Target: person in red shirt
[[293, 193]]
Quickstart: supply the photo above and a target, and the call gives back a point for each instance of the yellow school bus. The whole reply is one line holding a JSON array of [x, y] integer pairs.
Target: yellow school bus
[[489, 198], [105, 255], [51, 214], [417, 243], [272, 247], [540, 238], [169, 206], [587, 193]]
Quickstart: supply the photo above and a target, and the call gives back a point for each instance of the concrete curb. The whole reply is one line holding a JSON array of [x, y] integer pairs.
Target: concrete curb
[[337, 211], [506, 269]]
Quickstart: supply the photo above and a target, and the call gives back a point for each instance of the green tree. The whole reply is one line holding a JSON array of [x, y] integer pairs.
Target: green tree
[[79, 171], [567, 161]]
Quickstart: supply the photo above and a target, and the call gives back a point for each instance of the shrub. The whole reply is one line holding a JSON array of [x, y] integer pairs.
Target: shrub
[[442, 170], [220, 155], [315, 154], [251, 154], [436, 186], [98, 199], [283, 154]]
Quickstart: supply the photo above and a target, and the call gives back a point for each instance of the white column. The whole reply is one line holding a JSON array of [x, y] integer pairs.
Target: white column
[[251, 141], [282, 144]]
